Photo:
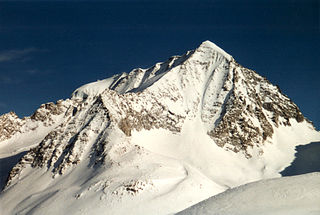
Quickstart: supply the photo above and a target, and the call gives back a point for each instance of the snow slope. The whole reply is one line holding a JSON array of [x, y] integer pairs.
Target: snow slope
[[181, 131], [19, 135], [293, 195]]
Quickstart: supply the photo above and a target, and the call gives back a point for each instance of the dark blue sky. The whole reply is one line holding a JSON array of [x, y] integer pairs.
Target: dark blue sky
[[48, 49]]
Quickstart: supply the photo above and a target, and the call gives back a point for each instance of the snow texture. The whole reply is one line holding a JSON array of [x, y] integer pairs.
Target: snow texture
[[293, 195]]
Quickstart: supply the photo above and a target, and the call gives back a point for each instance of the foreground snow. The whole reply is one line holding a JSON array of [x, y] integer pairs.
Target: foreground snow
[[294, 195]]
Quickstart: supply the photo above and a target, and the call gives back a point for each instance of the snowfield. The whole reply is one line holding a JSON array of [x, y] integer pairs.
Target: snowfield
[[158, 141], [294, 195]]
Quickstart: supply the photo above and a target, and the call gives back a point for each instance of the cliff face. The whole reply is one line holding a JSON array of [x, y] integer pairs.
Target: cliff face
[[202, 101], [10, 125]]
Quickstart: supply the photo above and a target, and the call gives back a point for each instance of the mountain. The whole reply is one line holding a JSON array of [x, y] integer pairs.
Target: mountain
[[181, 131]]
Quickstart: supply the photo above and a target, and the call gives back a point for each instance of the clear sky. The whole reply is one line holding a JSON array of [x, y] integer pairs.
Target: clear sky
[[48, 49]]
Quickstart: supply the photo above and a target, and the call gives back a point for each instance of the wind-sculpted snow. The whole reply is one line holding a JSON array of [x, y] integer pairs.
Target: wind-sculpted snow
[[182, 130], [294, 195]]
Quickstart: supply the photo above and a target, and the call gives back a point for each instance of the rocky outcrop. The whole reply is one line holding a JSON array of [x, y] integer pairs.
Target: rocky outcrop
[[254, 108], [46, 111], [10, 124]]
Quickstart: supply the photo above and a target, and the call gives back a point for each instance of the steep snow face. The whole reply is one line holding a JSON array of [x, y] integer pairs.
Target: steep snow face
[[283, 196], [182, 130]]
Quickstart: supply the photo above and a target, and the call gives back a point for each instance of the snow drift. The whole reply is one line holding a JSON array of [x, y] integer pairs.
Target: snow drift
[[293, 195]]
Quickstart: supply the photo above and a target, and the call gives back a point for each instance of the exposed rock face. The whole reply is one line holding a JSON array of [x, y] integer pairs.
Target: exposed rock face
[[9, 125], [46, 111], [253, 108], [239, 109]]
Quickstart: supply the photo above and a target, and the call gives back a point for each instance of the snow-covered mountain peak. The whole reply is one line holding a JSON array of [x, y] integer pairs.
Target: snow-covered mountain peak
[[191, 126], [205, 83], [208, 46], [139, 79]]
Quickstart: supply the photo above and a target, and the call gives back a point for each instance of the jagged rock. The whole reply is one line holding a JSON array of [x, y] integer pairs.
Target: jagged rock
[[9, 125]]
